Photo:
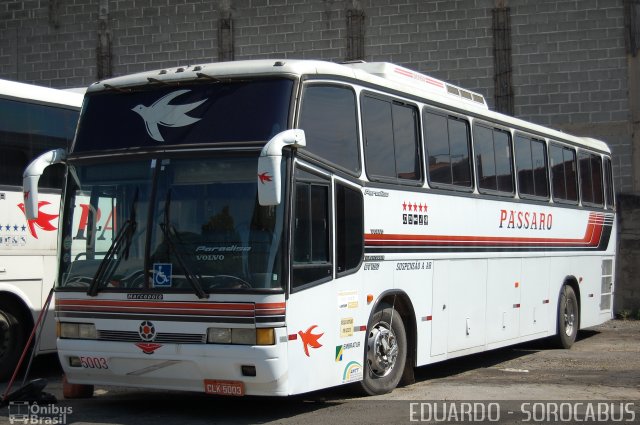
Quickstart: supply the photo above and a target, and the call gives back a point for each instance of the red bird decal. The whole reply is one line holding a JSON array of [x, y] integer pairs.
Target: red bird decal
[[264, 177], [148, 347], [43, 221], [309, 339]]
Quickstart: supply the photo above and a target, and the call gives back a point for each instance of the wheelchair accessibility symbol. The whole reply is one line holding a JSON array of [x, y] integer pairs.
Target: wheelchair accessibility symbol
[[162, 275]]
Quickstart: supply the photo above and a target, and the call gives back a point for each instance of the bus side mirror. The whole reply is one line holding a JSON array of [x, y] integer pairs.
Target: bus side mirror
[[31, 176], [269, 174]]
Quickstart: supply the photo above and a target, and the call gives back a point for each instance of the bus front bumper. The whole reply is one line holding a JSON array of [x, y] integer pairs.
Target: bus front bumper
[[211, 368]]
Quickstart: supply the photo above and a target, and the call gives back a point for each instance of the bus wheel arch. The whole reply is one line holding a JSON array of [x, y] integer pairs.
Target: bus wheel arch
[[568, 313], [404, 331], [16, 323]]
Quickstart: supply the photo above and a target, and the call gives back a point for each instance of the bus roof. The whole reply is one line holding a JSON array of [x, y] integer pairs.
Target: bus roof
[[382, 74], [38, 94]]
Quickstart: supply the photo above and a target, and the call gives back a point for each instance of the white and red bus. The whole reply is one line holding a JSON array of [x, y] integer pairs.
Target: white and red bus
[[276, 227], [33, 120]]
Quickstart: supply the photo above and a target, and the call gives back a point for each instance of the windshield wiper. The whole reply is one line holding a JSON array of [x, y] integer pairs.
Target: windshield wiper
[[120, 247], [193, 279], [107, 267]]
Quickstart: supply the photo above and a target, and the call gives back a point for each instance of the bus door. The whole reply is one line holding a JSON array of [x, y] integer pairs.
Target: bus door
[[324, 309]]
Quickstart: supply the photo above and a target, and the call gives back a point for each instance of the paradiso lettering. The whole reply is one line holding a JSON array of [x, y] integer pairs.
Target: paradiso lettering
[[531, 220]]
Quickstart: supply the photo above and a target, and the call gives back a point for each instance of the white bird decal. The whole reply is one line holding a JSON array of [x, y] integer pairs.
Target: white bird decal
[[161, 113]]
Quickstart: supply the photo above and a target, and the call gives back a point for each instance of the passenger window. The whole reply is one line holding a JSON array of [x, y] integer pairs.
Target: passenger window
[[349, 228], [563, 173], [531, 165], [311, 230], [591, 178], [608, 175], [448, 149], [329, 120], [492, 149], [596, 178], [391, 140]]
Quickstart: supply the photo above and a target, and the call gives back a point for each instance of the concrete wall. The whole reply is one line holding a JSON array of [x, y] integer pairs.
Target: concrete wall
[[571, 68], [627, 289]]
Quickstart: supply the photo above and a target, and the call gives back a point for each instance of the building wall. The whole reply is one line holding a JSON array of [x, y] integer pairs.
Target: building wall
[[569, 66], [569, 62]]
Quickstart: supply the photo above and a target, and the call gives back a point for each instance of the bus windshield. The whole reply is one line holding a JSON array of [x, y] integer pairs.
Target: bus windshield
[[29, 129], [169, 224]]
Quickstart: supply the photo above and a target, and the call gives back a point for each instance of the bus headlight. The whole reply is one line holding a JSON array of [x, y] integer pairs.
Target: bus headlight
[[219, 336], [241, 336], [77, 330]]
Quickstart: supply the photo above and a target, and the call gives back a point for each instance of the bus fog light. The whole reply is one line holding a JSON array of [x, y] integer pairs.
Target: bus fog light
[[219, 336], [75, 361], [243, 336], [265, 336]]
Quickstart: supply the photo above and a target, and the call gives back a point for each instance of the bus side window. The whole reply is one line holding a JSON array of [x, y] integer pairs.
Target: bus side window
[[391, 140], [531, 166], [608, 178], [563, 173], [590, 178], [12, 164], [448, 150], [311, 262], [329, 120], [349, 229], [493, 159]]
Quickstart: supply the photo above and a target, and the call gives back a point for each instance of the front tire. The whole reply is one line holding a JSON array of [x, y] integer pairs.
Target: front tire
[[568, 318], [385, 352], [12, 340]]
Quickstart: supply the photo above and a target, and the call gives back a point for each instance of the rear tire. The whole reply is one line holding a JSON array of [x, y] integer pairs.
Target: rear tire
[[385, 351], [568, 318], [12, 339]]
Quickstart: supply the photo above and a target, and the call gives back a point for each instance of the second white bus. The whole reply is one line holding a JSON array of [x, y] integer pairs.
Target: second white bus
[[33, 120]]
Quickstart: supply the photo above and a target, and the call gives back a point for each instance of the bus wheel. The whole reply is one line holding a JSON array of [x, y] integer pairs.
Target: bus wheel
[[386, 351], [568, 318], [12, 340]]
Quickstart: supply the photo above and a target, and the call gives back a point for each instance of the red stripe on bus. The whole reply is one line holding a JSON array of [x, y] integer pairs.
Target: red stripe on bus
[[155, 310], [590, 238], [173, 305]]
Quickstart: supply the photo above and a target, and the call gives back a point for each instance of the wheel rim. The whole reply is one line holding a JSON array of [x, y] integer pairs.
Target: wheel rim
[[382, 351], [569, 316]]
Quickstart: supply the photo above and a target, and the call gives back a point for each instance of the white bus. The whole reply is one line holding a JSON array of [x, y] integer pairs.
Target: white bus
[[277, 227], [33, 120]]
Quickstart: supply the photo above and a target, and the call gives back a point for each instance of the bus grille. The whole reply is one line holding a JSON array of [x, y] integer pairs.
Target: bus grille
[[166, 338]]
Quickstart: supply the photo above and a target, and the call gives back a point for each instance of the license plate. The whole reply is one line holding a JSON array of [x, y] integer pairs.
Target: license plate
[[232, 388]]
